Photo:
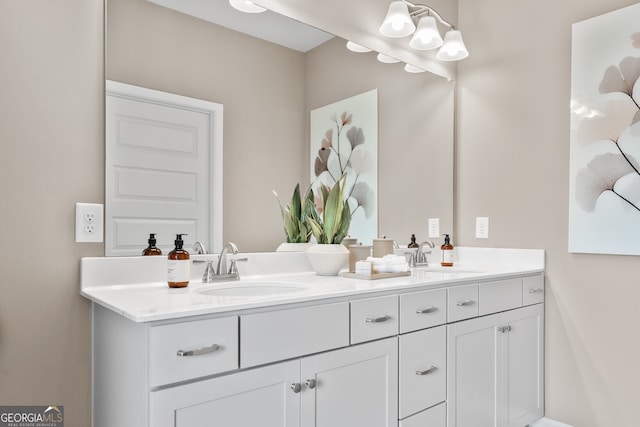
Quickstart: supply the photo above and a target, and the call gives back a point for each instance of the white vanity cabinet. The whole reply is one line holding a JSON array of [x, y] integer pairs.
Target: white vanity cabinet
[[348, 387], [464, 354], [495, 369]]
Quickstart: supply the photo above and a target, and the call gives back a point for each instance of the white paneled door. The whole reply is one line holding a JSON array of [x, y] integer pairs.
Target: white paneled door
[[163, 169]]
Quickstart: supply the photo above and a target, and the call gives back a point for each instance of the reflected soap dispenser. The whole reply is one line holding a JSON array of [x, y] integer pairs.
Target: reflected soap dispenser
[[178, 265], [446, 250], [152, 249]]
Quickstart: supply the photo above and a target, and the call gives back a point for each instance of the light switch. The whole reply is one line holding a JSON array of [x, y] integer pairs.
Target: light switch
[[434, 228], [482, 227]]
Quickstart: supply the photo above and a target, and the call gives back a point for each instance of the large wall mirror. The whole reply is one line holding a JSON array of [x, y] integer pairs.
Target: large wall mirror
[[267, 91]]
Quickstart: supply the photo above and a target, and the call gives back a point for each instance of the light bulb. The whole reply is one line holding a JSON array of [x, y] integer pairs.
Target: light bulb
[[246, 6]]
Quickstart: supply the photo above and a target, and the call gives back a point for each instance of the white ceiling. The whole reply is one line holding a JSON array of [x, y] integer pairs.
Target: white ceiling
[[268, 25]]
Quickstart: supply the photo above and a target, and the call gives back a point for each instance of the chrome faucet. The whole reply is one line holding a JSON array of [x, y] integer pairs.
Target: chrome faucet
[[198, 248], [222, 273], [419, 257]]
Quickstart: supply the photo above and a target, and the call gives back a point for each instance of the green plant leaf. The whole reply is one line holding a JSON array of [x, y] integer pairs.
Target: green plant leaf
[[295, 204]]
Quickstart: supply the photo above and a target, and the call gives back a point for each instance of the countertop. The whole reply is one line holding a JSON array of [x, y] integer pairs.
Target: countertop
[[135, 287]]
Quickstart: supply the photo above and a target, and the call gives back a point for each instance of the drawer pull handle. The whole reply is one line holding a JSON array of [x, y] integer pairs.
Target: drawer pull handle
[[311, 383], [377, 319], [536, 290], [463, 303], [427, 371], [504, 329], [296, 387], [426, 310], [199, 351]]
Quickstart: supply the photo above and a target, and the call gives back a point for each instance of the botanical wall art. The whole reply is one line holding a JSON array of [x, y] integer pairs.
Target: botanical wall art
[[604, 206], [344, 140]]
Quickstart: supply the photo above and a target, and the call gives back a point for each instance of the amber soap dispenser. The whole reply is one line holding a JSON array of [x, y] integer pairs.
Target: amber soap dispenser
[[446, 251], [152, 249], [178, 265]]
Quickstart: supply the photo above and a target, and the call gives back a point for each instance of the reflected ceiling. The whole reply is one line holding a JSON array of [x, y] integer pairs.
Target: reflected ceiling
[[269, 26]]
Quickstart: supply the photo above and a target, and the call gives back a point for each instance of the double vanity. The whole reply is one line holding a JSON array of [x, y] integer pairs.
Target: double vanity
[[456, 347]]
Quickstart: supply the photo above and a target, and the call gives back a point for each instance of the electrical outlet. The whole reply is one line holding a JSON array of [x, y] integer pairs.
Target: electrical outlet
[[89, 222], [434, 228], [482, 227]]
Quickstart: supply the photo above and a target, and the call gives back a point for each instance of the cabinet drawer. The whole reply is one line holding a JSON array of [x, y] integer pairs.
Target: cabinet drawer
[[462, 302], [432, 417], [280, 335], [188, 350], [374, 318], [533, 290], [420, 310], [500, 295], [423, 370]]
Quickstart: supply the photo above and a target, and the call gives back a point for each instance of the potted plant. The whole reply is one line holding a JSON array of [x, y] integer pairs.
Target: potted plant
[[294, 218], [329, 221]]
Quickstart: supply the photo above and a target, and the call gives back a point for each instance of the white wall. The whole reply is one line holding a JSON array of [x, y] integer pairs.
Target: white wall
[[513, 166]]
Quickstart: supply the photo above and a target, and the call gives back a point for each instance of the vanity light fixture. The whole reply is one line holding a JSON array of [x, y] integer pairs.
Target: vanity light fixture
[[413, 69], [246, 6], [387, 59], [354, 47], [399, 22]]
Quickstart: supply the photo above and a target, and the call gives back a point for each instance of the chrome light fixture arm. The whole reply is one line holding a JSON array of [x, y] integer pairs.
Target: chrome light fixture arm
[[417, 10]]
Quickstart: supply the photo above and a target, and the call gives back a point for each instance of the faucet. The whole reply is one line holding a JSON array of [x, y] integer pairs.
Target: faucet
[[222, 273], [420, 257], [198, 248]]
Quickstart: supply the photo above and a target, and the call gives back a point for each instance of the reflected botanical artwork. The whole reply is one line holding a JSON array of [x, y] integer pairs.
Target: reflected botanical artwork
[[344, 141], [604, 205]]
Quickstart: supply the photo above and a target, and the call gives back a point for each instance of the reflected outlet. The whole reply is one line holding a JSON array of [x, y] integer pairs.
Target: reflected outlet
[[482, 227]]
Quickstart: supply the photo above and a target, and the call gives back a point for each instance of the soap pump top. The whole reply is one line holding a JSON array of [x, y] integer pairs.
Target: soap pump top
[[178, 265], [413, 243], [152, 249], [446, 251]]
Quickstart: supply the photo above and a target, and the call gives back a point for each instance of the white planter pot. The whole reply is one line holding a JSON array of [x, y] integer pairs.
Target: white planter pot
[[328, 260], [293, 247]]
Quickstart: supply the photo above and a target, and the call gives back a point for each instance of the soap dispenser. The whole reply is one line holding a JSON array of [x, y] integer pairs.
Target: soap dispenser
[[178, 265], [446, 250], [152, 249]]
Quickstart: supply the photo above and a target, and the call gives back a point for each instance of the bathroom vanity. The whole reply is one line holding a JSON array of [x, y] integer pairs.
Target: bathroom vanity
[[461, 347]]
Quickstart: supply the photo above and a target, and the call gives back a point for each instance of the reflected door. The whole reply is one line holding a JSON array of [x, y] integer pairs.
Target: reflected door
[[159, 167]]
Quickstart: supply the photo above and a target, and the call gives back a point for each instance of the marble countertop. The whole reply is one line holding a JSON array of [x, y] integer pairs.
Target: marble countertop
[[135, 286]]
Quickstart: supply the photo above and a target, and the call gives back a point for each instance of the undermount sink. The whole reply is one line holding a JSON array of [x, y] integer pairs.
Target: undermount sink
[[250, 289]]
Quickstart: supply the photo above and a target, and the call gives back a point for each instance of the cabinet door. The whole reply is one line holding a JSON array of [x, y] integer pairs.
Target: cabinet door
[[259, 397], [522, 385], [495, 369], [355, 386], [471, 372]]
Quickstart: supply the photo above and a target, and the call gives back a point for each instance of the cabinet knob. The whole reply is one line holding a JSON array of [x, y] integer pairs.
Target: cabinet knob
[[377, 319], [504, 329], [427, 371], [311, 383], [198, 351], [426, 310], [296, 387], [535, 290], [464, 302]]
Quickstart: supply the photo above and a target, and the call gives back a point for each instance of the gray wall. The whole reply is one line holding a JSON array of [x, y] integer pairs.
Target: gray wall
[[51, 156], [513, 166]]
